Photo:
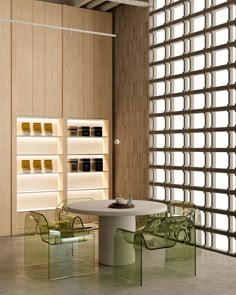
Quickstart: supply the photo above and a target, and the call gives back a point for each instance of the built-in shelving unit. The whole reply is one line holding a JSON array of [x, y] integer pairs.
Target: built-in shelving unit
[[88, 181], [39, 164], [43, 161]]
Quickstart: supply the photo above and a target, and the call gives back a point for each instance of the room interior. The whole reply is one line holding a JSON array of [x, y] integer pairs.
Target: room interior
[[153, 84]]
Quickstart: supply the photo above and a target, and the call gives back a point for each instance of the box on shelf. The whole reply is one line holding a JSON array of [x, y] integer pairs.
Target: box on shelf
[[25, 126], [37, 165], [73, 165], [96, 131], [84, 165], [48, 166], [84, 131], [72, 131], [25, 164], [37, 128], [97, 164], [48, 128]]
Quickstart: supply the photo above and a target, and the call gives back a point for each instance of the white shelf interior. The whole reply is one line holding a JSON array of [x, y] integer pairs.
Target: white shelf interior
[[101, 194], [87, 145], [87, 180], [40, 201]]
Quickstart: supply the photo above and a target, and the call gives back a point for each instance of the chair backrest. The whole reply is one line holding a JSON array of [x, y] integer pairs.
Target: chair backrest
[[182, 208], [164, 232]]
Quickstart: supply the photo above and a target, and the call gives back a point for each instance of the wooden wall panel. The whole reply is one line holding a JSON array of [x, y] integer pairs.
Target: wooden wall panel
[[5, 120], [131, 96], [89, 66], [73, 63], [22, 59], [103, 67], [39, 104], [53, 61]]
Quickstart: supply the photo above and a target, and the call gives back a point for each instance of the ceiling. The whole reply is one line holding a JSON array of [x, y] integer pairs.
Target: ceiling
[[102, 5]]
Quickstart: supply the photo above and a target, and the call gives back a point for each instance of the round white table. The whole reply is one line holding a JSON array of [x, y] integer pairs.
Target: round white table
[[109, 220]]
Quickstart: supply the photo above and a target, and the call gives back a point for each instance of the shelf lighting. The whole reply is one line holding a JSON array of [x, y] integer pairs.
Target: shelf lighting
[[132, 3]]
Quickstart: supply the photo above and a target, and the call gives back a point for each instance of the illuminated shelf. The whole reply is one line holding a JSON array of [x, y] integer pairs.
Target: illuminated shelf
[[38, 192], [38, 155], [89, 172], [39, 136], [88, 189], [86, 137], [38, 173], [37, 209]]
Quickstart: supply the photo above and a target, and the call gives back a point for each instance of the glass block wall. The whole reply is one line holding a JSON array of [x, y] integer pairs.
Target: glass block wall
[[192, 112]]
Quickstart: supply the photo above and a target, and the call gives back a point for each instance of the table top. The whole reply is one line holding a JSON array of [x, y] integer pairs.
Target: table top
[[100, 208]]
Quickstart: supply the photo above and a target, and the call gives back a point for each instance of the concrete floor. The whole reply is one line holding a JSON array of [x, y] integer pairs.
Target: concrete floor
[[216, 274]]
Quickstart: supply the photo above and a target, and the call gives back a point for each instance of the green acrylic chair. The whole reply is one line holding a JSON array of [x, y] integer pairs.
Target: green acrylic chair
[[168, 233], [74, 221], [65, 252]]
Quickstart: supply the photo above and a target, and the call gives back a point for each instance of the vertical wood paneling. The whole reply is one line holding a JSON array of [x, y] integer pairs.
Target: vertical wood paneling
[[131, 74], [22, 59], [39, 60], [73, 61], [103, 67], [89, 66], [53, 61], [5, 120]]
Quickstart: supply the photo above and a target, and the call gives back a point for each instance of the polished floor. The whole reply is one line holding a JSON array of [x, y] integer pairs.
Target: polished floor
[[216, 274]]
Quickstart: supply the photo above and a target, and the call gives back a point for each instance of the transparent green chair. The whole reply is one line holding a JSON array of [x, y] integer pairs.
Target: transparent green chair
[[74, 221], [181, 208], [168, 233], [65, 252]]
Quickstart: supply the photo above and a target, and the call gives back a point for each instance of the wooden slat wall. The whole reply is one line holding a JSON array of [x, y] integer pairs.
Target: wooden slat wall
[[73, 52], [5, 120], [131, 74]]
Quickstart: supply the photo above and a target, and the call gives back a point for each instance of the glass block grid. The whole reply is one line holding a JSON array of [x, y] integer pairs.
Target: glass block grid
[[192, 112]]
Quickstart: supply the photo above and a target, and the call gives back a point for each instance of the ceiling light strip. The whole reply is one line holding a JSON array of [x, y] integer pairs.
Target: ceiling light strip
[[132, 2], [12, 21]]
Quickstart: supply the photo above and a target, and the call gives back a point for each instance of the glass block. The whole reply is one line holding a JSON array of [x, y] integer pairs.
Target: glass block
[[221, 139], [221, 221], [221, 119], [159, 71], [221, 181], [221, 16], [158, 4], [159, 19], [159, 123], [198, 5], [221, 98], [199, 140], [159, 106], [199, 159], [159, 175], [178, 194], [178, 66], [199, 198], [159, 193], [198, 120], [159, 36], [178, 177], [177, 12], [178, 48], [159, 53], [178, 122], [221, 242], [178, 140], [178, 158], [198, 62], [159, 140], [197, 101], [198, 23], [199, 178], [178, 85], [220, 78], [198, 43], [177, 103], [221, 201], [220, 36], [220, 57], [159, 158], [178, 30], [159, 88], [198, 81]]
